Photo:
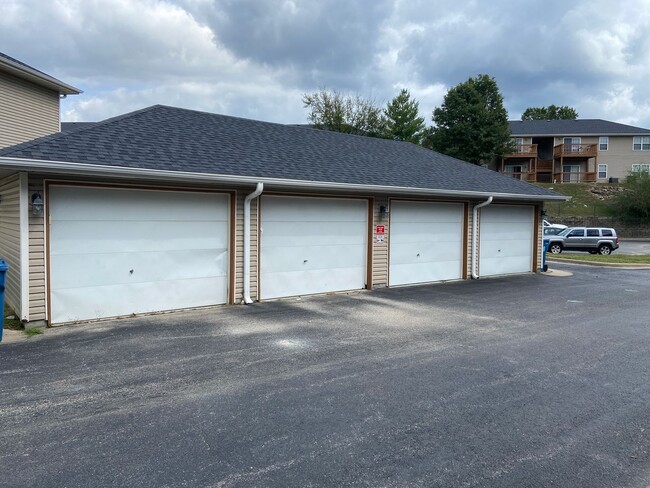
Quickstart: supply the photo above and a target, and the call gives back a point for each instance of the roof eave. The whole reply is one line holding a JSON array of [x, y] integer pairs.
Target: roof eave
[[38, 78], [84, 169], [581, 134]]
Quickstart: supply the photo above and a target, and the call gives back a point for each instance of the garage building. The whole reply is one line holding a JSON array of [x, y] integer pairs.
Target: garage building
[[166, 208]]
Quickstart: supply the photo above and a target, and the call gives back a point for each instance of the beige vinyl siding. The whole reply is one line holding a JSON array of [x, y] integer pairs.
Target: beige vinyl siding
[[380, 249], [620, 157], [27, 111], [10, 238], [36, 255], [468, 232]]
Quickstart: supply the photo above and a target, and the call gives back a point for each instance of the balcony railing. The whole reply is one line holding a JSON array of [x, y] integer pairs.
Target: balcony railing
[[523, 176], [574, 177], [575, 150], [522, 151]]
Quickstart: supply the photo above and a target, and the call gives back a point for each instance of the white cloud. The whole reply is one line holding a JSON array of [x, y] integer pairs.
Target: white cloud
[[255, 59]]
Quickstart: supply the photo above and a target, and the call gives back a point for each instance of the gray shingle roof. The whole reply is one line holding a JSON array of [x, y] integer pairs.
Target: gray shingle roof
[[68, 126], [580, 127], [167, 138]]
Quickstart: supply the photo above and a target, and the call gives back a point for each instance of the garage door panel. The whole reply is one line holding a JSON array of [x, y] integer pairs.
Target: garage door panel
[[410, 232], [417, 273], [71, 237], [280, 233], [119, 300], [70, 271], [312, 245], [426, 240], [176, 243], [310, 258], [506, 239], [415, 253], [309, 282], [506, 214], [106, 203]]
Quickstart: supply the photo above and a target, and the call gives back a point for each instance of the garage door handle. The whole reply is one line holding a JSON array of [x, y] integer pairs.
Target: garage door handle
[[305, 261], [418, 254], [131, 272]]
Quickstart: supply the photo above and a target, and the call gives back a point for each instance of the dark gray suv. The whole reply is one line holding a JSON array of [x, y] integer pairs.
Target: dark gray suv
[[596, 240]]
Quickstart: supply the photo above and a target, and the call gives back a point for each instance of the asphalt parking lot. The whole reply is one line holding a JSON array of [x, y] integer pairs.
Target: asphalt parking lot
[[634, 247], [511, 382]]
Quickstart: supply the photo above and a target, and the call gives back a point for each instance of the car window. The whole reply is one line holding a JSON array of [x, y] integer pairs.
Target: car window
[[607, 233], [551, 231], [565, 232], [577, 233], [592, 233]]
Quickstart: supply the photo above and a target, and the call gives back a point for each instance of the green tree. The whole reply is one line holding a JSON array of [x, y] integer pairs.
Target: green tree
[[402, 120], [472, 123], [633, 203], [552, 112], [332, 110]]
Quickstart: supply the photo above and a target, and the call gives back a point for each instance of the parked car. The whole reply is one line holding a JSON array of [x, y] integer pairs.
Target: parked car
[[595, 240], [553, 230], [546, 223]]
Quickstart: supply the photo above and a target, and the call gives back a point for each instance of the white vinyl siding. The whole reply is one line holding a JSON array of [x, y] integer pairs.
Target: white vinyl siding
[[426, 242], [10, 238], [28, 111], [116, 252], [312, 245]]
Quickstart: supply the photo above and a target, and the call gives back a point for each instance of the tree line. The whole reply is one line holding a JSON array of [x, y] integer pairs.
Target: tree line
[[471, 124]]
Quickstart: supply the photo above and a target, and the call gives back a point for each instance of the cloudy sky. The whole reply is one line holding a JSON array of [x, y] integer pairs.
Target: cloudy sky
[[255, 58]]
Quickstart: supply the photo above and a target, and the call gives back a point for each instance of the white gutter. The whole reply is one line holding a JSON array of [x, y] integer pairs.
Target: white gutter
[[247, 242], [475, 238], [83, 169]]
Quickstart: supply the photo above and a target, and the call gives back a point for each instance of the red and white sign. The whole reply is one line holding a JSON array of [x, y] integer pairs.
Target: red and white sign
[[380, 230]]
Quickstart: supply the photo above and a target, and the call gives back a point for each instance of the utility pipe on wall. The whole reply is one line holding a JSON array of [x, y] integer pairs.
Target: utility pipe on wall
[[247, 242], [475, 237]]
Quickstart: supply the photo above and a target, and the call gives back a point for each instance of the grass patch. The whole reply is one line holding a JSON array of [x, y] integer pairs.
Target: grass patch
[[13, 324], [612, 258], [33, 332], [583, 203]]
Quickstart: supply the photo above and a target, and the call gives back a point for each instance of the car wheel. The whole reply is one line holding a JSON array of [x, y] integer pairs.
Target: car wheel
[[605, 249], [555, 248]]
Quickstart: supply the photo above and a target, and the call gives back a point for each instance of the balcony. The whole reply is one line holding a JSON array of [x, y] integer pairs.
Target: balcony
[[575, 177], [528, 176], [575, 151], [523, 151]]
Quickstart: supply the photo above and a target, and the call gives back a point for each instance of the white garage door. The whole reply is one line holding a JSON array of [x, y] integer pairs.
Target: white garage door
[[312, 245], [117, 252], [426, 242], [506, 242]]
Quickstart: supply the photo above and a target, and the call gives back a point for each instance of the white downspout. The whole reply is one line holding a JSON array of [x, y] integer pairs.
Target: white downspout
[[247, 242], [475, 236]]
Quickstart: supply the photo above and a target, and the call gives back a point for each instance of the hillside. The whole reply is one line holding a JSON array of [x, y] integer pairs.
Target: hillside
[[587, 200]]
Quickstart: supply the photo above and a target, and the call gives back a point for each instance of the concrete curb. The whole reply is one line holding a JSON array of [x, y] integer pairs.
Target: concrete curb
[[604, 265]]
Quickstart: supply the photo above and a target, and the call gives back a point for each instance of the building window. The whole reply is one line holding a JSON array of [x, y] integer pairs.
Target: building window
[[572, 144], [641, 168], [603, 143], [602, 171], [641, 143]]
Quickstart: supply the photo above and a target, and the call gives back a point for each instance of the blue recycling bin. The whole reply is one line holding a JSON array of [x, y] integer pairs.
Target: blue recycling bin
[[3, 273], [547, 242]]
